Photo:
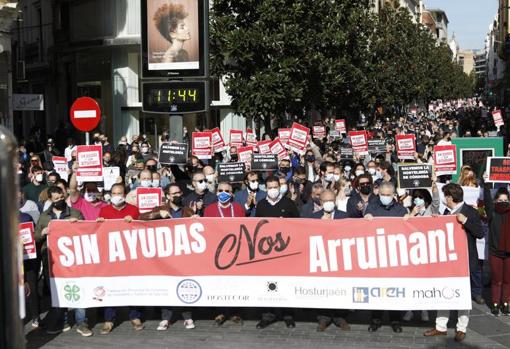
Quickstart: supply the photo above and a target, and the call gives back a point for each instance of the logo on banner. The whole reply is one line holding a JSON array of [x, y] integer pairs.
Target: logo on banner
[[446, 292], [360, 294], [189, 291], [316, 292], [99, 293], [363, 294], [272, 286], [72, 293]]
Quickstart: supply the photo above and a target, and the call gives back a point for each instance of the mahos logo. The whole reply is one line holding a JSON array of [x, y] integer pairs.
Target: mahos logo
[[189, 291], [444, 293]]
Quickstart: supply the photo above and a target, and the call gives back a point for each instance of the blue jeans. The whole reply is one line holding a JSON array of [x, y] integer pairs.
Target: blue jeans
[[110, 313], [476, 282], [57, 317]]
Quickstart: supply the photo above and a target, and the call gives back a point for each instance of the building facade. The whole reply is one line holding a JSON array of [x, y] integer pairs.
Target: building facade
[[413, 6], [8, 15], [466, 59], [495, 66]]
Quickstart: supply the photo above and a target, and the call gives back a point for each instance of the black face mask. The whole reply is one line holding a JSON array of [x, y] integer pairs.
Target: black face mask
[[285, 170], [152, 168], [365, 189], [60, 205], [310, 158], [177, 201], [233, 157]]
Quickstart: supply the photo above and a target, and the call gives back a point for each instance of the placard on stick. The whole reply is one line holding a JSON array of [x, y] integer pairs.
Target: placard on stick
[[414, 176]]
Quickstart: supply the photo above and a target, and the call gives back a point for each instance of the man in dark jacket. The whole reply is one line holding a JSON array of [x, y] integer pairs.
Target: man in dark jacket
[[470, 220], [359, 200], [313, 205], [201, 197], [386, 206]]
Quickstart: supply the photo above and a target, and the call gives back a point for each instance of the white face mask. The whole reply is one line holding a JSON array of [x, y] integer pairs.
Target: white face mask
[[283, 189], [117, 200], [210, 178], [347, 168], [273, 193], [202, 186], [359, 173], [330, 177], [372, 171], [39, 178], [90, 197], [329, 206], [336, 177], [146, 183], [254, 185], [386, 200], [155, 183]]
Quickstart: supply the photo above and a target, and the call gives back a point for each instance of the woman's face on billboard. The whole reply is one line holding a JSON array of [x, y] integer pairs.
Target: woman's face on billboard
[[181, 32]]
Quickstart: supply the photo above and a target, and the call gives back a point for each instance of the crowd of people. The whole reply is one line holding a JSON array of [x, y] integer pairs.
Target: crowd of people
[[319, 184]]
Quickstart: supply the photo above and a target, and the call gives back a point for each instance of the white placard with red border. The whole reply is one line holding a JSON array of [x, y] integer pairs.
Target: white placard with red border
[[278, 149], [201, 143], [498, 118], [26, 236], [406, 146], [340, 126], [236, 138], [250, 138], [148, 198], [217, 140], [284, 135], [60, 166], [245, 154], [445, 160], [359, 142], [319, 131], [264, 147], [298, 138], [90, 163]]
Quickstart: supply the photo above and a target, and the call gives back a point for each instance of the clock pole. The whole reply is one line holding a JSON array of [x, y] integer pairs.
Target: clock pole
[[176, 126]]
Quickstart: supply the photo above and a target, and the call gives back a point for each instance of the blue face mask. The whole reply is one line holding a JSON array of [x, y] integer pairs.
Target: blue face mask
[[419, 202], [386, 200], [224, 197]]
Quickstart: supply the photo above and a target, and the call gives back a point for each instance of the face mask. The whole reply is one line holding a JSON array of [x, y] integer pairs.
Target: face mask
[[146, 183], [273, 193], [347, 191], [90, 197], [117, 200], [336, 178], [145, 150], [347, 168], [210, 178], [233, 157], [401, 192], [329, 177], [359, 173], [419, 202], [310, 158], [386, 200], [224, 197], [152, 168], [372, 171], [254, 186], [60, 205], [39, 178], [329, 206], [155, 183], [284, 170], [283, 189], [365, 189], [202, 186], [177, 200]]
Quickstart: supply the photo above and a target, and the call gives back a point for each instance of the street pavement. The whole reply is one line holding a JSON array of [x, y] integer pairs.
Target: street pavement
[[485, 332]]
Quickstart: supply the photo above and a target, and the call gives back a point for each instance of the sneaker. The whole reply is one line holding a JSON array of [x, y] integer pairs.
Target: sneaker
[[84, 330], [375, 324], [35, 323], [479, 300], [53, 331], [163, 325], [189, 324], [495, 309], [408, 316], [505, 309], [66, 327], [107, 327], [236, 319], [220, 319], [425, 316], [137, 324], [395, 326]]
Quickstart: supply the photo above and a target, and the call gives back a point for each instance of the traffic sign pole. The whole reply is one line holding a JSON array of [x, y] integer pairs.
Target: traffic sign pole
[[87, 138], [85, 115]]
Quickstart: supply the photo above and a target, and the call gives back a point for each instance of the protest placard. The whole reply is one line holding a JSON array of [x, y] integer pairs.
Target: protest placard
[[414, 176], [232, 172], [173, 153]]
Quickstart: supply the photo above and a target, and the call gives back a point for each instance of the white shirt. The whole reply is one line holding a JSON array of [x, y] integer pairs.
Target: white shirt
[[68, 151]]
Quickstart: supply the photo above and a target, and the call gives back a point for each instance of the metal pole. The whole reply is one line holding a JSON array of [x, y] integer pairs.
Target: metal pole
[[87, 138], [11, 277], [176, 126]]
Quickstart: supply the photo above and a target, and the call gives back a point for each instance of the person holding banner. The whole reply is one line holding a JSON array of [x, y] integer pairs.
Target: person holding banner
[[119, 209], [276, 205], [470, 220], [55, 320], [249, 197], [498, 215], [88, 200], [386, 206]]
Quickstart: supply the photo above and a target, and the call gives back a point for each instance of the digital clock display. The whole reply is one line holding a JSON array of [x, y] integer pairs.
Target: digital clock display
[[175, 97]]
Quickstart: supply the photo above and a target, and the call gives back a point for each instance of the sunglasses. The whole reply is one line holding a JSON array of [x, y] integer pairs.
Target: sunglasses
[[224, 191], [200, 181]]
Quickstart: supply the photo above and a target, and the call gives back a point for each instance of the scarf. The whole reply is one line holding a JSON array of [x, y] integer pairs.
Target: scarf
[[504, 238]]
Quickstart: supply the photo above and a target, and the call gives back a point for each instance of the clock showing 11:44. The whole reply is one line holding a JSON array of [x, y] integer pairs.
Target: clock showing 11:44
[[171, 96]]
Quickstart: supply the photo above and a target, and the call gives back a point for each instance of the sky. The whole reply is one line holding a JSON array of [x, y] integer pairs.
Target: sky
[[469, 19]]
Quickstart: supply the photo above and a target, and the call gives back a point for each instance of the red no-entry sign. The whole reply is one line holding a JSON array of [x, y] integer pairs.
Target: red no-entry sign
[[85, 114]]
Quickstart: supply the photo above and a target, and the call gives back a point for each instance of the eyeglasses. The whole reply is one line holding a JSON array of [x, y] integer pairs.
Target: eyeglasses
[[200, 180], [224, 191]]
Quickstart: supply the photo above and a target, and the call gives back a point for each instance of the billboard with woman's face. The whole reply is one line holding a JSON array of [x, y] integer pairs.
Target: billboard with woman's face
[[173, 38]]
